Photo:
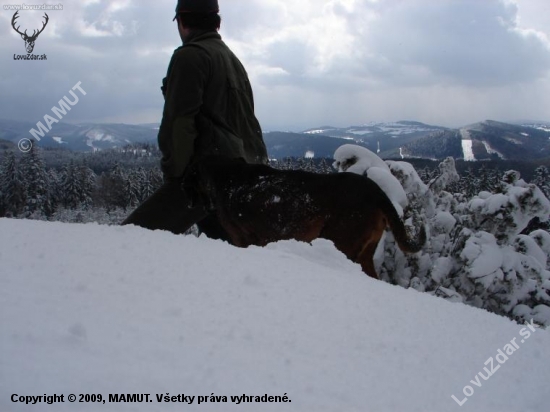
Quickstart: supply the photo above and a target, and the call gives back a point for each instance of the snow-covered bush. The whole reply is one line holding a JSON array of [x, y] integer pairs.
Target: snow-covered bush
[[97, 215], [359, 160], [476, 252]]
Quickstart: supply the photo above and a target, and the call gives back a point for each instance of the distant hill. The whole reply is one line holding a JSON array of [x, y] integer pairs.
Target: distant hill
[[481, 141], [404, 139], [382, 138], [6, 145], [81, 137], [485, 141]]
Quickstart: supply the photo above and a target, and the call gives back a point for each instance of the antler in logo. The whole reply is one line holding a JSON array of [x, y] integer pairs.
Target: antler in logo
[[29, 40]]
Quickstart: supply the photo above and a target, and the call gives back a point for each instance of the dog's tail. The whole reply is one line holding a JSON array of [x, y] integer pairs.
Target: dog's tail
[[397, 227]]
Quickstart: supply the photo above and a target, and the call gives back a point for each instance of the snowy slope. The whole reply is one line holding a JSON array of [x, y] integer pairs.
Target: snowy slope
[[106, 310]]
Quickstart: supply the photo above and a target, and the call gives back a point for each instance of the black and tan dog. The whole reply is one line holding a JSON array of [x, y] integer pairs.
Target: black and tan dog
[[257, 204]]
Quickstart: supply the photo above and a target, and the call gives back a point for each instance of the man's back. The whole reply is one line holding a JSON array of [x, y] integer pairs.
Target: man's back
[[207, 82]]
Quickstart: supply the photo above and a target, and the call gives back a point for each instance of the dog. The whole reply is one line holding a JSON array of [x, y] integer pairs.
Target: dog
[[257, 204]]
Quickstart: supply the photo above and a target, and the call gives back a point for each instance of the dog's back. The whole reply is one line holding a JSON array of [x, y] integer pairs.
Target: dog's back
[[257, 205]]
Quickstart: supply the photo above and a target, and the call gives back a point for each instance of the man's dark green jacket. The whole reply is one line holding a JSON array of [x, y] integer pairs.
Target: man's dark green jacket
[[208, 108]]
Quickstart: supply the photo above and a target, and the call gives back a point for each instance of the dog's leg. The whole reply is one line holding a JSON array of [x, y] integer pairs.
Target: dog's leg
[[373, 233], [366, 260]]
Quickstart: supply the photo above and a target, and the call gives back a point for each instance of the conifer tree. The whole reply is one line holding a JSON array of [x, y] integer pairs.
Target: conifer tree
[[541, 178], [71, 187], [35, 183], [54, 188], [86, 179], [11, 187]]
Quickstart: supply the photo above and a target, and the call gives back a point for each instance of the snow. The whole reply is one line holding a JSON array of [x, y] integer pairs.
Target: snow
[[467, 145], [391, 186], [448, 174], [529, 247], [543, 240], [513, 140], [541, 312], [359, 160], [362, 158], [467, 150], [441, 268], [541, 127], [444, 222], [97, 135], [58, 139], [408, 177], [509, 213], [392, 129], [360, 132], [397, 129], [150, 312], [483, 256], [490, 150]]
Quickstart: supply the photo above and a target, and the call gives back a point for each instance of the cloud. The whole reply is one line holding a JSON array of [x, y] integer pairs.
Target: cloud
[[409, 43], [311, 62], [468, 42], [114, 48], [415, 59]]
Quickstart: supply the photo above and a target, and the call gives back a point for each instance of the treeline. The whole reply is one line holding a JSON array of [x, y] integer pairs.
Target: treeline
[[30, 189], [105, 186]]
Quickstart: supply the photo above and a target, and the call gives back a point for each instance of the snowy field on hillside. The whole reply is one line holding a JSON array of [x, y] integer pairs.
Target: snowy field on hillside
[[90, 309]]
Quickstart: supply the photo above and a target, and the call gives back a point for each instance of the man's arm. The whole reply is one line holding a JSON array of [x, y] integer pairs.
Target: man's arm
[[186, 80]]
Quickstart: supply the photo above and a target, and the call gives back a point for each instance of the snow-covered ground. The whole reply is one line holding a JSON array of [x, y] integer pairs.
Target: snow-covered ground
[[490, 150], [391, 129], [467, 145], [89, 309]]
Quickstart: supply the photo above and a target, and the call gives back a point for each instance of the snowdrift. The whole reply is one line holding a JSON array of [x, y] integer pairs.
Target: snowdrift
[[89, 309]]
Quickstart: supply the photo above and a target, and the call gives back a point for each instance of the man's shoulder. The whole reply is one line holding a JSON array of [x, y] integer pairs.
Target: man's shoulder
[[206, 43], [190, 51]]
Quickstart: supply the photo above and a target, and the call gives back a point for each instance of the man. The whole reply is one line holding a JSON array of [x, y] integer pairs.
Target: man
[[208, 110]]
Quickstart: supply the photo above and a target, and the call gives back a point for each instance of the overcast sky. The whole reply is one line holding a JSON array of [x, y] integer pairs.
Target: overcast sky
[[311, 62]]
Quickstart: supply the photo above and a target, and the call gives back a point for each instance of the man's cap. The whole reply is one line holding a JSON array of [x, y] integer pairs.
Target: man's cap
[[197, 6]]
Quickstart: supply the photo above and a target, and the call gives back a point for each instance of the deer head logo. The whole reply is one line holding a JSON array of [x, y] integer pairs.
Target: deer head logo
[[29, 40]]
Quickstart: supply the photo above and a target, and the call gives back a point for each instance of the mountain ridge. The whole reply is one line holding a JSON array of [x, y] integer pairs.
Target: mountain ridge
[[484, 140]]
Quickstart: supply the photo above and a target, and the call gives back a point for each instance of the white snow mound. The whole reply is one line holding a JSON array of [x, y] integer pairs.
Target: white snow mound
[[89, 309]]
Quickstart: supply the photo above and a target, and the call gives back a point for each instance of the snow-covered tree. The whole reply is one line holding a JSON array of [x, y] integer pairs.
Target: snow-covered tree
[[541, 178], [475, 252], [87, 181], [132, 183], [71, 189], [54, 188], [35, 183], [11, 187], [325, 167]]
